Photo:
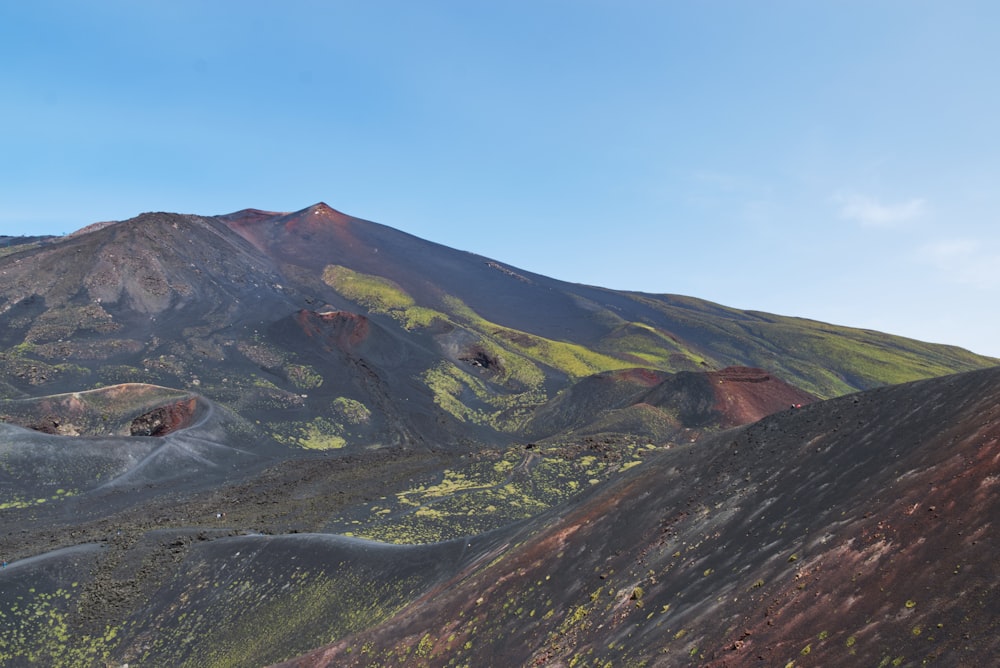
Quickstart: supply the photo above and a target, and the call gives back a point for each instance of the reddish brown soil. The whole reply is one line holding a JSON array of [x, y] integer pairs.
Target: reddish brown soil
[[297, 234], [340, 330], [165, 419], [639, 377], [744, 395], [133, 409]]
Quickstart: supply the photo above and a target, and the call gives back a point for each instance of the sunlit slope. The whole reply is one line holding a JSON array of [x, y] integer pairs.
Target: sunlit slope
[[578, 330]]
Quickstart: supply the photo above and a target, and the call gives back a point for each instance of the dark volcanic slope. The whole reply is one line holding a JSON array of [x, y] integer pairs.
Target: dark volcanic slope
[[665, 331], [324, 327], [184, 302], [253, 265], [857, 531], [95, 459]]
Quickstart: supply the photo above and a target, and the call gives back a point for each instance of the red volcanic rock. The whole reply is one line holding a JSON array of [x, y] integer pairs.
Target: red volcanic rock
[[316, 217], [105, 411], [744, 395], [165, 419], [296, 234], [639, 377], [659, 404], [252, 225], [340, 330]]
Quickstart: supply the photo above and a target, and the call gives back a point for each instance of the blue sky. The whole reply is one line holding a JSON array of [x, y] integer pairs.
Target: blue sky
[[835, 160]]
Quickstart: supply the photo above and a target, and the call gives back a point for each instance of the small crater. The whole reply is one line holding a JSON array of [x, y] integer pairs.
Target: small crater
[[165, 419]]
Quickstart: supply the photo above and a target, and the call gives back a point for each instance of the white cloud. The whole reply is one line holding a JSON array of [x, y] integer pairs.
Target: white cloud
[[870, 212], [963, 261]]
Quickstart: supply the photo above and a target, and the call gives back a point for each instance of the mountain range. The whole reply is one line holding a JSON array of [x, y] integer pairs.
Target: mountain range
[[304, 437]]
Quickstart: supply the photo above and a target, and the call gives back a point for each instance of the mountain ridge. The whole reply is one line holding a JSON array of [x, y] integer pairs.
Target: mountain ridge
[[146, 298]]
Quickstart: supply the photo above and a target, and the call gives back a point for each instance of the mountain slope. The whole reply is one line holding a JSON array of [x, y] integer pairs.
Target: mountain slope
[[475, 346], [854, 531]]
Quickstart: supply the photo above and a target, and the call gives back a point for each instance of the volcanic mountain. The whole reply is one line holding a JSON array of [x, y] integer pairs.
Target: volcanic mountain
[[236, 439], [286, 317]]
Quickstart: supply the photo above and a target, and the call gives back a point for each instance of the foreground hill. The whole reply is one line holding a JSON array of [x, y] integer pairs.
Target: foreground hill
[[851, 532], [855, 531]]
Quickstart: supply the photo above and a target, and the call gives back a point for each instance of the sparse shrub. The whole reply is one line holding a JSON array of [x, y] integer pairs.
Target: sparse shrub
[[351, 411], [303, 377]]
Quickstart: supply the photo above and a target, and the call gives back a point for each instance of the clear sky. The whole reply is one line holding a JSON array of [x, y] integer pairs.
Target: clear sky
[[831, 159]]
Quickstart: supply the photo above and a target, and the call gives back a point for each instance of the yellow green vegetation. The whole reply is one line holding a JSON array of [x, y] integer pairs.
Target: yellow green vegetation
[[374, 292], [650, 347], [21, 502], [424, 646], [351, 411], [512, 369], [35, 629], [628, 465], [572, 359], [382, 295], [303, 377], [22, 349], [827, 360], [451, 482], [378, 295], [30, 367], [449, 383], [493, 491], [320, 434], [574, 617], [456, 390], [503, 393], [16, 502], [254, 616], [468, 398]]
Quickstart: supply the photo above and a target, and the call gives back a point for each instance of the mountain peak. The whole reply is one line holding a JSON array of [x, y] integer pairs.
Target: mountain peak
[[321, 209], [314, 217]]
